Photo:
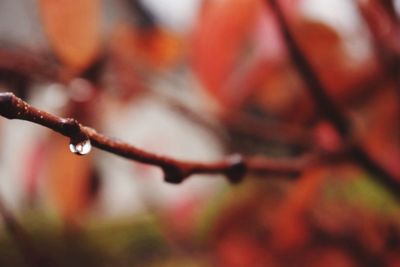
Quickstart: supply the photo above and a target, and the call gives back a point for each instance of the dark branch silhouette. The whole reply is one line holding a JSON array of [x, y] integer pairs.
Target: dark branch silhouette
[[22, 239], [329, 109]]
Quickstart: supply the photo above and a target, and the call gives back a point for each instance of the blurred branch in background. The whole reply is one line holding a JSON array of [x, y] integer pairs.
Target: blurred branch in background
[[22, 239], [296, 102], [331, 111]]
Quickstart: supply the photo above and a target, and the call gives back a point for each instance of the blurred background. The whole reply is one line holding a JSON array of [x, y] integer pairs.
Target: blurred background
[[198, 80]]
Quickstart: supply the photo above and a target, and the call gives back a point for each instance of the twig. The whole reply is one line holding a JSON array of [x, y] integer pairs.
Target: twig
[[277, 132], [175, 171], [26, 64], [22, 239], [317, 90], [282, 132], [144, 17], [329, 109]]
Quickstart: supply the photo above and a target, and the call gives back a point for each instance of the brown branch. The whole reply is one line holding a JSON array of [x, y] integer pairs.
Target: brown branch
[[29, 65], [143, 16], [175, 171], [22, 239], [329, 109], [314, 85], [277, 132], [283, 132]]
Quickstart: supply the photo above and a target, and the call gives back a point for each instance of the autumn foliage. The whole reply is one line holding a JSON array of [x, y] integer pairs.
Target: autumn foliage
[[233, 73]]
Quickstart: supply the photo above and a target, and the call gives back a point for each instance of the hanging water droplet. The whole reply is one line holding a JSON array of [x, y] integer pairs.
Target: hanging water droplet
[[81, 148]]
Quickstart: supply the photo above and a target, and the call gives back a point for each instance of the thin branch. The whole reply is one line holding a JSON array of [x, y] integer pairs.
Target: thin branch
[[27, 64], [317, 90], [144, 17], [175, 171], [281, 132], [329, 109], [22, 239], [277, 132]]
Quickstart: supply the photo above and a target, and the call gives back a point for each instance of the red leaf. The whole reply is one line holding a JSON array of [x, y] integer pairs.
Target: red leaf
[[152, 48], [220, 40]]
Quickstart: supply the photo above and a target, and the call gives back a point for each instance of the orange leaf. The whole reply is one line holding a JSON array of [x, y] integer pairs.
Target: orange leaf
[[68, 180], [153, 48], [73, 30]]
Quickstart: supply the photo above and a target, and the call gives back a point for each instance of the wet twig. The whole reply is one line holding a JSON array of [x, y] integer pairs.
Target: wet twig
[[175, 171]]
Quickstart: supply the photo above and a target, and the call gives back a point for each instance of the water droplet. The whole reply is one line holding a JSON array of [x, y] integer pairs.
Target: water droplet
[[81, 148]]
